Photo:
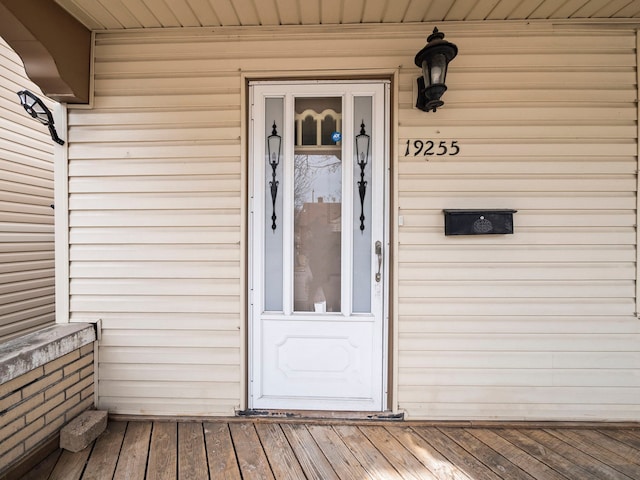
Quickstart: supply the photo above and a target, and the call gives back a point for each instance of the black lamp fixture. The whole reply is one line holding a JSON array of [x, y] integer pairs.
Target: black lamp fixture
[[38, 110], [274, 142], [434, 59]]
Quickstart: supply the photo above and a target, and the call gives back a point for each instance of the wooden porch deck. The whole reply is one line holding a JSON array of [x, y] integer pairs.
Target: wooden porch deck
[[267, 449]]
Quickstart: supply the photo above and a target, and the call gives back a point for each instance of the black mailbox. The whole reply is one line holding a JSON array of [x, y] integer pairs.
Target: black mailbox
[[478, 222]]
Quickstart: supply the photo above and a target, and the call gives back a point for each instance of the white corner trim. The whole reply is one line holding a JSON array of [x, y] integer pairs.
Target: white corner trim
[[638, 181], [61, 215]]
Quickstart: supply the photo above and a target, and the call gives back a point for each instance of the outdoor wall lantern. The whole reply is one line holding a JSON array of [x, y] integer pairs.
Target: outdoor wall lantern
[[38, 110], [274, 142], [434, 59]]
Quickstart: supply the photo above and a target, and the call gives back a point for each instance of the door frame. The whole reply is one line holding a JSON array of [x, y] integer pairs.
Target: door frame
[[388, 330]]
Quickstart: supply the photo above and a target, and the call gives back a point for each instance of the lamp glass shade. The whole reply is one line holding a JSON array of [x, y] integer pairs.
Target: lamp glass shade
[[34, 107], [435, 72], [362, 146], [273, 146]]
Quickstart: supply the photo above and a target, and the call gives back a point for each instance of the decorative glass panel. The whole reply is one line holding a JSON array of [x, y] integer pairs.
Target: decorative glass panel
[[362, 273], [318, 206], [274, 186]]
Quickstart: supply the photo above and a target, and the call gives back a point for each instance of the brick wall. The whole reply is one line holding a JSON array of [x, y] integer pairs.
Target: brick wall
[[34, 406]]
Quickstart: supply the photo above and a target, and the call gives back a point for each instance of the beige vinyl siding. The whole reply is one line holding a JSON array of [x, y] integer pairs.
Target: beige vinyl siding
[[539, 324], [26, 218]]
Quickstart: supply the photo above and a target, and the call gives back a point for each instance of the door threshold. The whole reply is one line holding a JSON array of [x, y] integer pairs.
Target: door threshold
[[320, 415]]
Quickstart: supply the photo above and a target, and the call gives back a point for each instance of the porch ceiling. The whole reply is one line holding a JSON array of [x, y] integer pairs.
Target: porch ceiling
[[116, 15]]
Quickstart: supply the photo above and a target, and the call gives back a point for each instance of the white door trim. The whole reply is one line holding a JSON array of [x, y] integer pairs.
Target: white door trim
[[256, 229]]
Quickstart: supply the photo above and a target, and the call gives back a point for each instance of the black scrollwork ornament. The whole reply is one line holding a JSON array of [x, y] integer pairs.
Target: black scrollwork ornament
[[362, 154]]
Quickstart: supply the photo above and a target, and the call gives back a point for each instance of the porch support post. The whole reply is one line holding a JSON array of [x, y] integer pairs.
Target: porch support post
[[54, 46]]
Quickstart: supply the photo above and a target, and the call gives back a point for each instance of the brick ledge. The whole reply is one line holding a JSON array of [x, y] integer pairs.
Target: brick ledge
[[25, 353]]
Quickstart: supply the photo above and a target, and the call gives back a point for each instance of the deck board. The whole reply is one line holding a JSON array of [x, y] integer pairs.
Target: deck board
[[163, 459], [610, 458], [192, 455], [267, 449], [402, 459], [522, 459], [339, 456], [251, 457], [104, 458], [557, 462], [281, 456], [454, 453], [372, 460], [220, 453], [132, 463], [313, 462], [496, 462]]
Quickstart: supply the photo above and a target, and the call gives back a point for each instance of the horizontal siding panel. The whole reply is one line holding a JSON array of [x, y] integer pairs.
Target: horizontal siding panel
[[506, 342], [166, 218], [534, 95], [550, 236], [156, 184], [519, 411], [518, 200], [602, 166], [41, 300], [195, 84], [16, 325], [36, 171], [155, 303], [35, 284], [26, 275], [170, 338], [473, 253], [141, 373], [201, 390], [163, 286], [97, 168], [158, 116], [219, 101], [515, 306], [170, 355], [149, 134], [168, 406], [523, 360], [20, 218], [211, 270], [151, 201], [159, 252], [155, 235], [204, 149], [488, 113], [434, 289], [507, 183], [165, 321], [490, 271], [518, 324], [529, 395]]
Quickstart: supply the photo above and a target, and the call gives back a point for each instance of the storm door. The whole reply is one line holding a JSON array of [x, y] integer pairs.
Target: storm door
[[318, 246]]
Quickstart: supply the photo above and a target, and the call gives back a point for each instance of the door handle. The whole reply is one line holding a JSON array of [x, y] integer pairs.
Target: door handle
[[379, 254]]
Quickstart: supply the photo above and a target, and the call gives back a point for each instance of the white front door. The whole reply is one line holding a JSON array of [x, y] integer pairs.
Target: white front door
[[318, 244]]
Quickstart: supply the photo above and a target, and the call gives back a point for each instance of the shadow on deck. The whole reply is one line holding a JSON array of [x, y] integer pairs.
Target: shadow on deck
[[268, 449]]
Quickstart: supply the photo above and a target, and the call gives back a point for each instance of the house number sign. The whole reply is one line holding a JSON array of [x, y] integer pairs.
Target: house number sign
[[428, 148]]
